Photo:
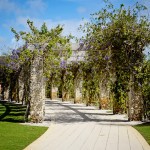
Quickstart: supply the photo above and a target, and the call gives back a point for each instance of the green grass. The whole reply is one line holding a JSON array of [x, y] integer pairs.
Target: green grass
[[144, 129], [12, 112], [14, 136]]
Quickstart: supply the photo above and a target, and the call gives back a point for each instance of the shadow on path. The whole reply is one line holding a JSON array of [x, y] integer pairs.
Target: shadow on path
[[71, 113]]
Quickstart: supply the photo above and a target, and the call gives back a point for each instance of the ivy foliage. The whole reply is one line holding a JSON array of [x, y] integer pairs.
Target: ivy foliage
[[114, 44], [49, 44], [115, 41]]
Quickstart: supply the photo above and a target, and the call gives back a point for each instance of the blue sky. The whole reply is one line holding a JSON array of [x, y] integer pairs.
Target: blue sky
[[14, 13]]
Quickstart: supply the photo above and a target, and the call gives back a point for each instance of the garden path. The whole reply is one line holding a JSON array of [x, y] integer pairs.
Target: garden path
[[77, 127]]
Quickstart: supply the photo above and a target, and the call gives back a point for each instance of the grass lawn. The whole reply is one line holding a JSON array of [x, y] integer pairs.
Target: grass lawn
[[144, 129], [14, 136], [12, 112]]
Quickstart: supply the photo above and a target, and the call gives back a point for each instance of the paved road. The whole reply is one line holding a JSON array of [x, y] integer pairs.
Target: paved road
[[77, 127]]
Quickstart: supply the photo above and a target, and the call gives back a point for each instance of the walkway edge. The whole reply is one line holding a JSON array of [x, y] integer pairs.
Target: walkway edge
[[40, 139], [141, 139]]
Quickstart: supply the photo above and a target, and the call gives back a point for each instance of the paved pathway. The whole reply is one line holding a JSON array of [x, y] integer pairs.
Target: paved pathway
[[77, 127]]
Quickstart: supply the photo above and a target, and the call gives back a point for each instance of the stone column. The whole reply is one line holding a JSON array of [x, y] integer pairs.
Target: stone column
[[43, 88], [135, 104], [105, 102], [54, 92], [135, 111], [36, 89], [137, 108], [6, 94], [78, 92], [21, 87], [78, 95]]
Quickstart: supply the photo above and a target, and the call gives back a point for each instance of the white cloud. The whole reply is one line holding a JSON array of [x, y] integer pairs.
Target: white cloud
[[81, 9], [70, 26], [9, 6], [15, 44], [33, 7], [2, 39], [37, 5], [78, 0]]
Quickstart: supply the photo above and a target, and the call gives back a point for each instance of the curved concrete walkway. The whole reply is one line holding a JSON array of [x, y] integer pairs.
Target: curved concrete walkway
[[77, 127]]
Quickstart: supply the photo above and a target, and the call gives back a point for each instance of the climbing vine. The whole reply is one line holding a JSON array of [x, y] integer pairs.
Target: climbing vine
[[114, 68], [115, 41]]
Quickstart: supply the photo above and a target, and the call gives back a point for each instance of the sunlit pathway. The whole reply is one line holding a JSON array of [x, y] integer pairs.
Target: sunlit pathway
[[77, 127]]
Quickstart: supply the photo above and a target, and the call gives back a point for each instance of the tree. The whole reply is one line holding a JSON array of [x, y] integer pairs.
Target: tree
[[45, 48], [116, 38], [143, 83]]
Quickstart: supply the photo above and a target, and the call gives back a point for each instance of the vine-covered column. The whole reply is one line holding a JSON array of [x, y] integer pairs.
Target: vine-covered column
[[36, 89], [77, 92], [135, 108], [105, 102], [21, 87]]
